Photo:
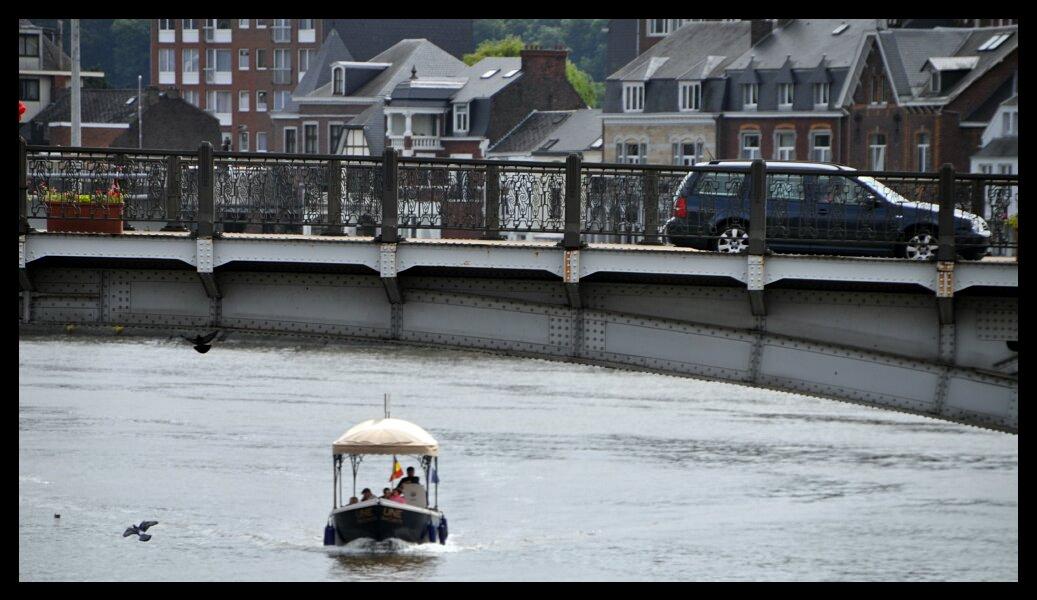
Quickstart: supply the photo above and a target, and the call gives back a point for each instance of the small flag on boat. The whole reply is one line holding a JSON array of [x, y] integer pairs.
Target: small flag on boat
[[397, 470], [435, 476]]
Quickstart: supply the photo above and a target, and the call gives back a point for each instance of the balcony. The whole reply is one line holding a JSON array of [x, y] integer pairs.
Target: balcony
[[167, 77], [190, 36], [218, 77], [166, 36], [307, 36], [218, 36], [418, 142]]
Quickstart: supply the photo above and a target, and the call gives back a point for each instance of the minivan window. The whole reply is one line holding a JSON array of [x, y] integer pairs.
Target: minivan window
[[719, 184]]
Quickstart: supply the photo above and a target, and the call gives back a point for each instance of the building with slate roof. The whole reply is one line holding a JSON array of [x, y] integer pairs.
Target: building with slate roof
[[923, 97], [109, 120], [43, 68], [551, 135], [663, 106], [337, 107], [464, 113]]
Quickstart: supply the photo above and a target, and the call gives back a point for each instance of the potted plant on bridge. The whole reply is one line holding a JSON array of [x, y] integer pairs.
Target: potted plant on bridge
[[100, 212]]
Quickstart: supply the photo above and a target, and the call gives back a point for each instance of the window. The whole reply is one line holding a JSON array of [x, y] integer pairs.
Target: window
[[261, 141], [260, 104], [923, 155], [356, 144], [282, 66], [460, 118], [243, 97], [309, 138], [190, 30], [821, 92], [217, 101], [691, 95], [877, 90], [632, 152], [282, 30], [188, 24], [338, 82], [281, 99], [750, 95], [877, 151], [243, 24], [785, 92], [1004, 168], [243, 59], [633, 97], [305, 23], [190, 96], [166, 24], [217, 66], [304, 61], [821, 146], [261, 62], [29, 45], [262, 24], [785, 145], [661, 27], [289, 140], [934, 83], [29, 89], [986, 169], [166, 65], [334, 136], [750, 145], [687, 153], [242, 141], [189, 69], [217, 30], [1006, 123]]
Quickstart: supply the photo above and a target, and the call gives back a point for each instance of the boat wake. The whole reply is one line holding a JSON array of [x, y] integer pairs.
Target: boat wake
[[367, 546]]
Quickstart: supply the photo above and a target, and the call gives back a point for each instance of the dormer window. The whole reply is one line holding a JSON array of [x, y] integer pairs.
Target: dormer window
[[877, 90], [633, 97], [750, 95], [338, 81], [934, 82], [461, 118], [821, 94], [29, 45], [785, 92], [691, 95]]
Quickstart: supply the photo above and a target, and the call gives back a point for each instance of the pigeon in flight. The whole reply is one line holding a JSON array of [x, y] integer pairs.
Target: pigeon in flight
[[202, 343], [139, 530]]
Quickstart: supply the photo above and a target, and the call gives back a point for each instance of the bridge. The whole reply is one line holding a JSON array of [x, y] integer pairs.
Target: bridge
[[493, 255]]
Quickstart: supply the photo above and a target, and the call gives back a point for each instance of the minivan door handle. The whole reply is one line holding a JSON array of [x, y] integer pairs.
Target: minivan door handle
[[822, 210]]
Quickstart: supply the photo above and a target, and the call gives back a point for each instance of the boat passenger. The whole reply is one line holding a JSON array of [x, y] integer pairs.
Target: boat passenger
[[353, 500], [410, 478], [386, 492], [366, 495], [397, 496]]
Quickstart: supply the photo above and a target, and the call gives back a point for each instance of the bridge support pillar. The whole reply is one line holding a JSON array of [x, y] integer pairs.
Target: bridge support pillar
[[387, 270], [755, 285], [945, 291], [571, 272], [205, 267]]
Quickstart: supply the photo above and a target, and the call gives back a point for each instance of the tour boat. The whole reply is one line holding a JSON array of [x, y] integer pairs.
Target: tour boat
[[413, 520]]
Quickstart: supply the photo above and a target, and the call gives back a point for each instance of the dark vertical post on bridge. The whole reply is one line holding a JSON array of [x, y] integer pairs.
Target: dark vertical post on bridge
[[651, 209], [390, 197], [571, 237], [206, 191], [757, 237], [492, 203], [945, 224], [23, 188], [757, 207], [173, 222], [334, 199], [945, 251]]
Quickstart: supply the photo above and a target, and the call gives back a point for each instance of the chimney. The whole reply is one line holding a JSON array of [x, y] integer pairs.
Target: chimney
[[546, 63], [759, 29]]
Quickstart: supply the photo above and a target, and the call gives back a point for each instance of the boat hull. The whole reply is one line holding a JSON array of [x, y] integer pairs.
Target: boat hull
[[381, 520]]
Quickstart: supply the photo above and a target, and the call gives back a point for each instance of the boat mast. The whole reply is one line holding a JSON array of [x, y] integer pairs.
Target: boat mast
[[386, 401]]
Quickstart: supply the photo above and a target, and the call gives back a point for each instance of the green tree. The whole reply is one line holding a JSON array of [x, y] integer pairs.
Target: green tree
[[512, 45]]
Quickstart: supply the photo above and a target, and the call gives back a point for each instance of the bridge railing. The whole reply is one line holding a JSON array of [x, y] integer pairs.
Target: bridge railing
[[710, 206]]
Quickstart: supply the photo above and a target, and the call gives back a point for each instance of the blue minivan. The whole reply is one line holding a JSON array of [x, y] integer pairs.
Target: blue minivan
[[815, 208]]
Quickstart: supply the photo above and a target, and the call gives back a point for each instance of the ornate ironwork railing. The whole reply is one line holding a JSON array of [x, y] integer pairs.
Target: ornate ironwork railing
[[718, 207]]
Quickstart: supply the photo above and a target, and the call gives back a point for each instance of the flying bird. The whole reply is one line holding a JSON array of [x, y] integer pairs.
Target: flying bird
[[202, 343], [139, 530]]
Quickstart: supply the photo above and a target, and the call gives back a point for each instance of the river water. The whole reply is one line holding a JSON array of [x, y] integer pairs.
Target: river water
[[549, 471]]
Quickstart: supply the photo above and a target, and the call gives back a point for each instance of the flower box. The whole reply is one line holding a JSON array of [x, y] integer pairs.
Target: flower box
[[84, 213]]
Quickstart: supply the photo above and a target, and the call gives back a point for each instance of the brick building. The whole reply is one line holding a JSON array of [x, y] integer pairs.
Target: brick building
[[240, 70]]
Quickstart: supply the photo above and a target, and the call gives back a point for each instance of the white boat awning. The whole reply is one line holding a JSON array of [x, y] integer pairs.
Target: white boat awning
[[386, 436]]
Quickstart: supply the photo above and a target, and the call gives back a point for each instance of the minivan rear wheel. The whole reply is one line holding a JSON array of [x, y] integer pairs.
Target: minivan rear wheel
[[733, 239]]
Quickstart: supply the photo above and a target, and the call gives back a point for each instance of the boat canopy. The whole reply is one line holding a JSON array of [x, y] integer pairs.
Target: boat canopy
[[386, 436]]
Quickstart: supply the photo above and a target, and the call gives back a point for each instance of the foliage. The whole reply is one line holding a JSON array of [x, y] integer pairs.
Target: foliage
[[119, 47], [585, 38], [1013, 221], [589, 90]]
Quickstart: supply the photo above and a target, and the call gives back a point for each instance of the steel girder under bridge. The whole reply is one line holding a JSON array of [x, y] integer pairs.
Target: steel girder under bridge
[[887, 333]]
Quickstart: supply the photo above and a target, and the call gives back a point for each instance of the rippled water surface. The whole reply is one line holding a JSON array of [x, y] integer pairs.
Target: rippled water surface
[[548, 471]]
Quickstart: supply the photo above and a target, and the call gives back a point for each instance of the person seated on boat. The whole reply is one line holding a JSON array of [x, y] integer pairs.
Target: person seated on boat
[[386, 492], [397, 496], [366, 495], [353, 500]]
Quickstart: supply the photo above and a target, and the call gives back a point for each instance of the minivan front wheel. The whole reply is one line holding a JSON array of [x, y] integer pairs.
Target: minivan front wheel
[[920, 245], [734, 239]]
